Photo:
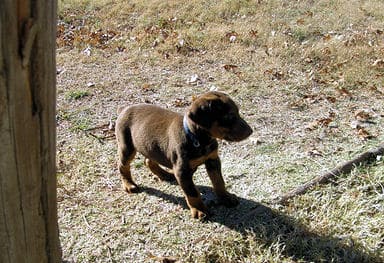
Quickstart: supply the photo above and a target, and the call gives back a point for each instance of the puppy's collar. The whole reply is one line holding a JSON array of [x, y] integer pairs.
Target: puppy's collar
[[189, 133]]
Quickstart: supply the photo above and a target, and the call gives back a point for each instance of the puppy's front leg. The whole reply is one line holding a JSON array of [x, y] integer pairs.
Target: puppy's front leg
[[192, 195], [213, 167]]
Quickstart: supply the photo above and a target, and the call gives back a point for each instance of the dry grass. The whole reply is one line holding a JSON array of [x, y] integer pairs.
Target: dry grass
[[308, 76]]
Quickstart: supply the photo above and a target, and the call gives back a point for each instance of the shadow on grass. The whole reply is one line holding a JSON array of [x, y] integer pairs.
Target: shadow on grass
[[269, 226]]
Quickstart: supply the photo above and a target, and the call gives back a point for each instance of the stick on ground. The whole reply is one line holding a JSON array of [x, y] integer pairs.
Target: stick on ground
[[344, 168]]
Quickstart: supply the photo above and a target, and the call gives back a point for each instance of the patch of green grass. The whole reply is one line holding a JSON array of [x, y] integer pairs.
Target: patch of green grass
[[77, 94], [78, 119], [63, 115], [139, 164], [300, 34], [80, 124]]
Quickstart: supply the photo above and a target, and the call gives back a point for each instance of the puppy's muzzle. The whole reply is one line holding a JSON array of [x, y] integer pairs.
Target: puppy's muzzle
[[239, 131]]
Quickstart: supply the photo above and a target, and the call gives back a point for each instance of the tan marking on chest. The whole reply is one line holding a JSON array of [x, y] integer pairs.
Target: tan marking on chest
[[194, 163]]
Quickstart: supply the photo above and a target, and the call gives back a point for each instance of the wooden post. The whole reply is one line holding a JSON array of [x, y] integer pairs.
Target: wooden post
[[28, 209]]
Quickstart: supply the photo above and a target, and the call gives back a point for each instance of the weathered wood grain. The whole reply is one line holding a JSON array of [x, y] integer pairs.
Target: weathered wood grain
[[28, 210]]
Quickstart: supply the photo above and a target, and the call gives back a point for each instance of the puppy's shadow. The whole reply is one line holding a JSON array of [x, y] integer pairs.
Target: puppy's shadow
[[269, 226]]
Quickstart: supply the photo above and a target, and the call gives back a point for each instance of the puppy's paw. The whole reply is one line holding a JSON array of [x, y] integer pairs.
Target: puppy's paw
[[198, 214], [198, 209], [131, 188], [228, 200]]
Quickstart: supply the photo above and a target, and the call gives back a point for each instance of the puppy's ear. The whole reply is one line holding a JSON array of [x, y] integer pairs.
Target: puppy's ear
[[198, 113], [205, 112]]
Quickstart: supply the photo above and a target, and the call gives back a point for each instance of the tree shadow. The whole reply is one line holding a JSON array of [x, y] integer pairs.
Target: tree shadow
[[269, 226]]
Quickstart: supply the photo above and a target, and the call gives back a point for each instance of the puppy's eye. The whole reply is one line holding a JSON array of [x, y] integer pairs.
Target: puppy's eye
[[228, 120]]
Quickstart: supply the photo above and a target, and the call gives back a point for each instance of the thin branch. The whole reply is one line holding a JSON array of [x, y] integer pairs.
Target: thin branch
[[344, 168], [106, 129], [97, 127]]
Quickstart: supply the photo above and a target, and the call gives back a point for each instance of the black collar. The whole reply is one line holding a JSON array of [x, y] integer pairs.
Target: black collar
[[190, 134]]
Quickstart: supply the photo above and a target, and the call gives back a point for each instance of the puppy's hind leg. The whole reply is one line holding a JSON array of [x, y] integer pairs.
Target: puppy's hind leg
[[157, 170], [125, 158], [126, 153]]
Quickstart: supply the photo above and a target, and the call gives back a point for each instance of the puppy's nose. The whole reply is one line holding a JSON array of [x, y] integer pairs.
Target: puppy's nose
[[247, 130], [244, 130]]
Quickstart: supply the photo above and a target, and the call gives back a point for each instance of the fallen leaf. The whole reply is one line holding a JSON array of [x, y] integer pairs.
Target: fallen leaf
[[376, 90], [320, 122], [331, 99], [326, 51], [300, 21], [327, 37], [378, 63], [146, 87], [297, 105], [364, 134], [324, 122], [180, 103], [344, 92], [309, 13], [338, 65], [311, 98], [275, 73], [231, 68], [363, 115], [253, 33]]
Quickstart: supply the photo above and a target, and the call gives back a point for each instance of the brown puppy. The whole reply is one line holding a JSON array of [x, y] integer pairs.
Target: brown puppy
[[181, 143]]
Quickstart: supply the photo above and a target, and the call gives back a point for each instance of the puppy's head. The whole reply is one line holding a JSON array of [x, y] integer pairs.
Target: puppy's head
[[218, 114]]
